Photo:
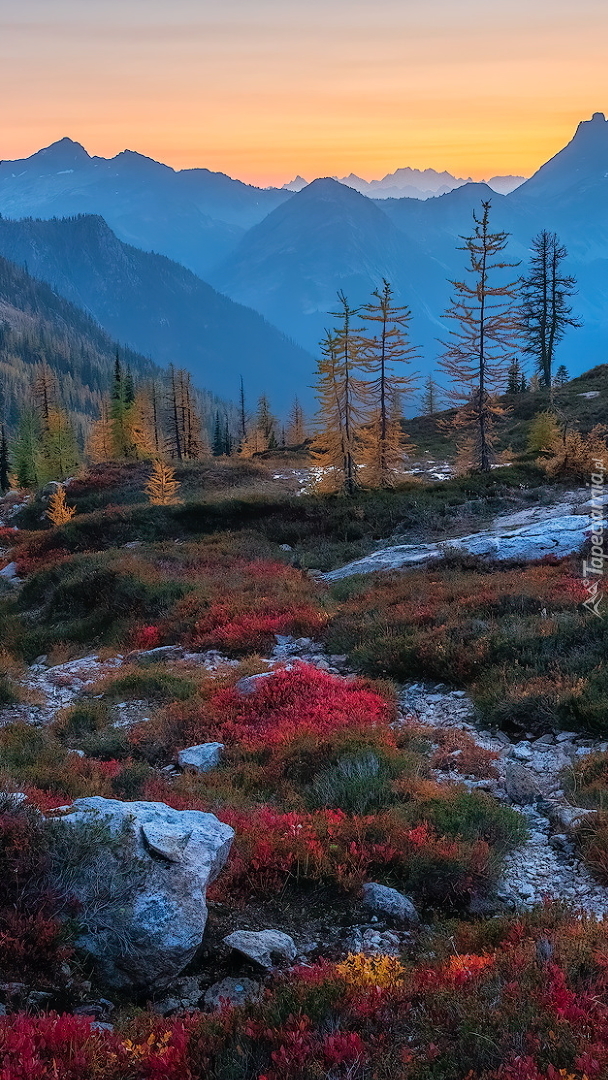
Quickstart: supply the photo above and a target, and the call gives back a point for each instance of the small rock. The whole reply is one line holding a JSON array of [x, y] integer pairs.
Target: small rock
[[570, 816], [285, 547], [101, 1025], [9, 572], [387, 901], [249, 683], [521, 752], [232, 992], [200, 759], [262, 945]]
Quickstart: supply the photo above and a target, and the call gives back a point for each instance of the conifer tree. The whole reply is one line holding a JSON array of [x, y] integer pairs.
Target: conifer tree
[[227, 438], [162, 486], [59, 451], [266, 422], [242, 413], [59, 513], [100, 444], [516, 379], [544, 432], [217, 447], [296, 425], [482, 341], [561, 376], [384, 444], [545, 309], [5, 465], [26, 458], [185, 437], [431, 397], [334, 446]]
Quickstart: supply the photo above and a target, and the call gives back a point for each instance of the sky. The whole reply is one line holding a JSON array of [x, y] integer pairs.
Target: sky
[[267, 89]]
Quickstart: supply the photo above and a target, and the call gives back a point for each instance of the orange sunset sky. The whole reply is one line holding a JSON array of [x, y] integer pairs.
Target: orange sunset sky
[[265, 89]]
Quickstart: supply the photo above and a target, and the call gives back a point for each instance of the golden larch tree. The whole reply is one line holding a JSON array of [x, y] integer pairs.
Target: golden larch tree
[[482, 342], [59, 513], [162, 486], [386, 351]]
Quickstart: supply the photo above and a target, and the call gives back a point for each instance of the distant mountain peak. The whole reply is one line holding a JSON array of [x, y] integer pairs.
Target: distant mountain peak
[[64, 151], [584, 161], [296, 184]]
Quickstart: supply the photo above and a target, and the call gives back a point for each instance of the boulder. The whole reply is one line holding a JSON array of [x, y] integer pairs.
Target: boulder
[[9, 572], [139, 872], [569, 817], [385, 901], [232, 992], [200, 759], [262, 945], [520, 785], [249, 683]]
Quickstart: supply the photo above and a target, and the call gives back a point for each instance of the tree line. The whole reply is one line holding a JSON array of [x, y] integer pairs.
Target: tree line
[[493, 317]]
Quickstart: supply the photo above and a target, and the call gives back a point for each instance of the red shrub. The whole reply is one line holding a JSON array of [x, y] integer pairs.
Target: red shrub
[[146, 637]]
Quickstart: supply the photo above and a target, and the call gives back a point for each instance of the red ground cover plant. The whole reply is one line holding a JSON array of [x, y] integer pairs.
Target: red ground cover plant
[[508, 999]]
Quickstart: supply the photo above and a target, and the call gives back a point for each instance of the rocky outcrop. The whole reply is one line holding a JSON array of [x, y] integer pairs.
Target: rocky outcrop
[[140, 880]]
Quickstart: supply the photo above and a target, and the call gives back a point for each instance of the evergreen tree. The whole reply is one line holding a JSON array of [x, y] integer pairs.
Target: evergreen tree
[[218, 437], [5, 465], [227, 438], [561, 376], [59, 451], [162, 486], [242, 413], [383, 353], [26, 451], [545, 308], [267, 423], [482, 340], [431, 397], [514, 377], [296, 425]]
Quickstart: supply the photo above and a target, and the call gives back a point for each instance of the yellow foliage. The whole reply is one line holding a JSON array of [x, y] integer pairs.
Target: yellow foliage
[[578, 455], [59, 512], [361, 970], [162, 485]]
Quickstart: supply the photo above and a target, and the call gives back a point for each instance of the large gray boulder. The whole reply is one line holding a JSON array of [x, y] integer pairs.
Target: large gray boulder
[[139, 872], [383, 900]]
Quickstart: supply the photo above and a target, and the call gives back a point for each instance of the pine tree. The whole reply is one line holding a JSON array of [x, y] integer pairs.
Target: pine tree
[[217, 448], [242, 413], [227, 438], [514, 381], [545, 309], [5, 465], [481, 342], [561, 376], [59, 513], [431, 397], [267, 423], [296, 426], [383, 352], [162, 486], [26, 451], [121, 413]]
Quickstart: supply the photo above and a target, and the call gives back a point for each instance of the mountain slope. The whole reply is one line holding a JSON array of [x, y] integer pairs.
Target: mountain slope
[[38, 325], [326, 237], [159, 308], [195, 216]]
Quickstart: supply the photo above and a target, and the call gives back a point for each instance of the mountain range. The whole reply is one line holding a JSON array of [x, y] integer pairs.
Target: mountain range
[[284, 254], [412, 184]]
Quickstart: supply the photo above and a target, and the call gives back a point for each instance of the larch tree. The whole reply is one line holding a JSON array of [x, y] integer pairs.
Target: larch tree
[[162, 487], [59, 513], [546, 312], [481, 342], [100, 444], [185, 440], [384, 353], [59, 451], [335, 446]]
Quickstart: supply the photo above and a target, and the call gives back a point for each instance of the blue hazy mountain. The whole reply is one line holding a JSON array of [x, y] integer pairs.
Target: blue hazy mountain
[[324, 238], [195, 217], [158, 307]]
